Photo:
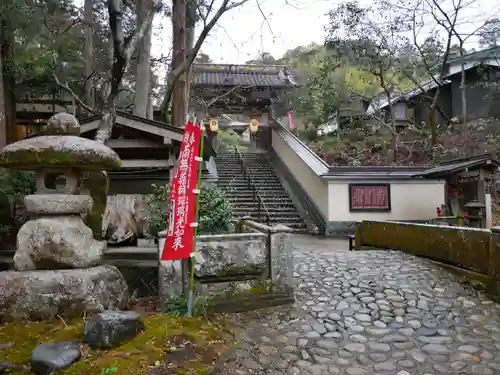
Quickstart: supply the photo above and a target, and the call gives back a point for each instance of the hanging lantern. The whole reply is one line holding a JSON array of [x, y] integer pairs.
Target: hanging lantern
[[254, 126], [214, 125]]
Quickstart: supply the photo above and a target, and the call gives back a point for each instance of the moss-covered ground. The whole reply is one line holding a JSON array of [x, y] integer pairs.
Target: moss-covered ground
[[169, 345]]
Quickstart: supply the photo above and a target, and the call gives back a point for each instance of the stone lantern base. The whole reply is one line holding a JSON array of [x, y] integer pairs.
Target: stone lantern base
[[47, 294]]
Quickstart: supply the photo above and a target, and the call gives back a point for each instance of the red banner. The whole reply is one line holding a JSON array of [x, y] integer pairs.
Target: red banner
[[179, 240]]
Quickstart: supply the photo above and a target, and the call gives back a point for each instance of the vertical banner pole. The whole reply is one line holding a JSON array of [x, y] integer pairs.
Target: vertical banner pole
[[196, 229]]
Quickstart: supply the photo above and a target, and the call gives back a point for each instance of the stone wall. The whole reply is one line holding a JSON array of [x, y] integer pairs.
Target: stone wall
[[235, 270]]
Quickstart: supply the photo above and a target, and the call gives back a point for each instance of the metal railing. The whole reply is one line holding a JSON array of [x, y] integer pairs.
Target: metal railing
[[261, 206]]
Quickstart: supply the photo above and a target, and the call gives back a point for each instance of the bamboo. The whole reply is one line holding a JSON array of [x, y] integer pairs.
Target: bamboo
[[196, 230]]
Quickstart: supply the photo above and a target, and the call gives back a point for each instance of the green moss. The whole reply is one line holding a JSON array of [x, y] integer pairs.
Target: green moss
[[27, 158], [134, 357], [261, 288]]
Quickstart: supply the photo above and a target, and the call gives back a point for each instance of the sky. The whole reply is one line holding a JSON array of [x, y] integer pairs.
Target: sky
[[243, 33]]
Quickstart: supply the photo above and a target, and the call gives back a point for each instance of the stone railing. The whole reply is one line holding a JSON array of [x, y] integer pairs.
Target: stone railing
[[237, 271], [473, 250]]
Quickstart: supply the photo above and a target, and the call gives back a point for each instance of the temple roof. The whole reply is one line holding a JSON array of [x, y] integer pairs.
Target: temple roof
[[273, 76]]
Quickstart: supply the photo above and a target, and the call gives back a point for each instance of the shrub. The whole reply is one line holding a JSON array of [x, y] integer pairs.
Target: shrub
[[215, 211], [14, 186], [228, 139]]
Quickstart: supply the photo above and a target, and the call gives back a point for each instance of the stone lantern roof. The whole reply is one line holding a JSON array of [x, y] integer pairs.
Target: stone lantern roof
[[61, 146]]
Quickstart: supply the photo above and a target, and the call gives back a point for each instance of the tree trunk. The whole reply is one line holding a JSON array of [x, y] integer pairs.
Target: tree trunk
[[9, 82], [432, 117], [142, 76], [190, 30], [3, 123], [463, 87], [178, 56], [88, 53], [107, 121], [383, 84], [152, 82]]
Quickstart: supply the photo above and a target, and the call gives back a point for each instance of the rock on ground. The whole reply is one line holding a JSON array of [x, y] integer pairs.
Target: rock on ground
[[53, 356], [46, 294], [112, 328]]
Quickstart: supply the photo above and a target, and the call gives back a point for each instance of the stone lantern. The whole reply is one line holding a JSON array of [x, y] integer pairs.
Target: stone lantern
[[57, 260]]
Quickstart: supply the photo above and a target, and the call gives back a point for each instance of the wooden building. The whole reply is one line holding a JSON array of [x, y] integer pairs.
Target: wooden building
[[250, 91], [148, 150], [468, 181]]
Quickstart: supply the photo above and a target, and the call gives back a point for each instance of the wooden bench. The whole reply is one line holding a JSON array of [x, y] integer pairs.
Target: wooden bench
[[352, 244]]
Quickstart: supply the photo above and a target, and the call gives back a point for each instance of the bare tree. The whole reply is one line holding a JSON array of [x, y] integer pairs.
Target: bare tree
[[121, 48], [3, 120], [448, 21], [373, 45], [205, 9], [142, 76]]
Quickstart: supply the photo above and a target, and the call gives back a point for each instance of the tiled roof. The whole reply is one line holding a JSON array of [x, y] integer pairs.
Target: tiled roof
[[485, 54], [276, 76], [457, 165]]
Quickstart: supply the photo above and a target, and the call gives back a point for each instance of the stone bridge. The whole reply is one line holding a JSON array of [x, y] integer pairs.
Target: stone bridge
[[371, 313]]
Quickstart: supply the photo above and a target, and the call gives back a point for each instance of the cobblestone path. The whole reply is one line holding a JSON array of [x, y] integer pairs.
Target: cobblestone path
[[368, 313]]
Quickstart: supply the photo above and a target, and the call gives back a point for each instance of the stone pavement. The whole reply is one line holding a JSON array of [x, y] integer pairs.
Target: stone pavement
[[369, 313]]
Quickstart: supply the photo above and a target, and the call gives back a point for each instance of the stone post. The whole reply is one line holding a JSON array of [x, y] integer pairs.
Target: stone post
[[170, 275], [281, 259], [494, 261]]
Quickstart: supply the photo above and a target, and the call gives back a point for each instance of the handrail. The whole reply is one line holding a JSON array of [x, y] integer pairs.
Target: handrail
[[253, 186], [310, 158]]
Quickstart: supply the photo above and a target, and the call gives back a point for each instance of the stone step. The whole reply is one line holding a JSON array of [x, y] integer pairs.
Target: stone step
[[271, 205], [243, 195], [282, 213], [240, 185]]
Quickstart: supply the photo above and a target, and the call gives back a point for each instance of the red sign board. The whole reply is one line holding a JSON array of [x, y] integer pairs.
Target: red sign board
[[368, 197], [179, 240]]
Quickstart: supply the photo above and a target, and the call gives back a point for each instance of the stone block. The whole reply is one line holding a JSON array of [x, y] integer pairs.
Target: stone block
[[47, 294], [170, 280], [281, 259], [231, 254]]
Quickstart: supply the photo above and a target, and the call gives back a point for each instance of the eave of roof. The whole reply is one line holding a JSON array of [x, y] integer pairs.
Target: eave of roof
[[373, 173], [144, 120], [225, 75], [450, 168]]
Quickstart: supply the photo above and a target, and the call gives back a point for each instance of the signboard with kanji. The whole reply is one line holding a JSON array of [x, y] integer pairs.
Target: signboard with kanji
[[181, 224], [369, 197]]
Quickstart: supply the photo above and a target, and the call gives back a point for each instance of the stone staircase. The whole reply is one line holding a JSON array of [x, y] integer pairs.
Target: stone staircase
[[242, 194]]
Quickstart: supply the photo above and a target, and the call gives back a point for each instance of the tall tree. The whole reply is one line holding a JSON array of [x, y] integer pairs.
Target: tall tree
[[124, 38], [88, 20], [376, 45], [3, 122], [209, 18], [142, 76]]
